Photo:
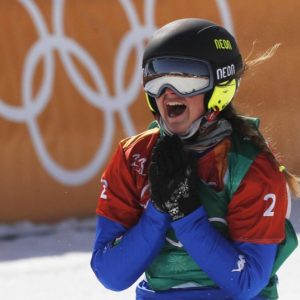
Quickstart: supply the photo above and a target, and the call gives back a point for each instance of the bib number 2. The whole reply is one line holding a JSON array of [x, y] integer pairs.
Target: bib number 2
[[104, 185], [269, 212]]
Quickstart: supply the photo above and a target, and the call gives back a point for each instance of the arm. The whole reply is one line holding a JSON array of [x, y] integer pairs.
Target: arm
[[242, 269], [118, 266]]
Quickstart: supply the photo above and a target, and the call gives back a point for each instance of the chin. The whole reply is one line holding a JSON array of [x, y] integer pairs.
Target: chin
[[178, 131]]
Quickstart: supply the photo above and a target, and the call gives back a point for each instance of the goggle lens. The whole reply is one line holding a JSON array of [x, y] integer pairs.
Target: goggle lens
[[180, 84], [185, 76]]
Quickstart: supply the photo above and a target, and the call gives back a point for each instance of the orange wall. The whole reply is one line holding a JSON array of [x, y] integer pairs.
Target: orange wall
[[70, 89]]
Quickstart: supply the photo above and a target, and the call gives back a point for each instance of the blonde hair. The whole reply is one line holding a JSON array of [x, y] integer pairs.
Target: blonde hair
[[259, 59]]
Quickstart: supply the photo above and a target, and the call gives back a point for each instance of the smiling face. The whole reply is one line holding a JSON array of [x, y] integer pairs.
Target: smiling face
[[179, 112]]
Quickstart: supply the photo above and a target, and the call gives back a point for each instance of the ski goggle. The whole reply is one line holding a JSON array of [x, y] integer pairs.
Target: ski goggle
[[185, 76]]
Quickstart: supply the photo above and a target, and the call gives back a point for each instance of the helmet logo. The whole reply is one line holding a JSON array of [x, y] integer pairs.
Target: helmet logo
[[225, 72], [222, 44]]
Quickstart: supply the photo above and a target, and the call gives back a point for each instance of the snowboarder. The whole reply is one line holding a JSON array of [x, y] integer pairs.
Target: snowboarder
[[198, 203]]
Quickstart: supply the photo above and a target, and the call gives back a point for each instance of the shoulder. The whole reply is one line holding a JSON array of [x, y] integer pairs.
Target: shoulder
[[265, 171], [263, 176], [134, 152], [144, 139], [138, 147]]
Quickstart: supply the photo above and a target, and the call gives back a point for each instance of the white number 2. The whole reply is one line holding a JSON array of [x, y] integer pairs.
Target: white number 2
[[105, 185], [269, 211]]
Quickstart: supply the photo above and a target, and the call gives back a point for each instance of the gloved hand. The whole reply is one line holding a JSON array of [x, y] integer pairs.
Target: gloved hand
[[173, 179]]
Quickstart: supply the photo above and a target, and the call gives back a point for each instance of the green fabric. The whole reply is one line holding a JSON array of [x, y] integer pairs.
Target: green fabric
[[286, 247], [153, 124], [284, 251], [215, 204], [240, 159], [173, 266], [270, 291]]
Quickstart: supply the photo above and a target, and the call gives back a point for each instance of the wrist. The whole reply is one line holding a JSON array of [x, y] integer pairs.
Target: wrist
[[158, 217], [185, 224], [157, 206]]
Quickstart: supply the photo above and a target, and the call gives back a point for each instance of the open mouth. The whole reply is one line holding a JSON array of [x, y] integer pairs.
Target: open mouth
[[175, 109]]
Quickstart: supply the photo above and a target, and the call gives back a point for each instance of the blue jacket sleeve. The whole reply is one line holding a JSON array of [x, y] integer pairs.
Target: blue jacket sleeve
[[241, 269], [118, 266]]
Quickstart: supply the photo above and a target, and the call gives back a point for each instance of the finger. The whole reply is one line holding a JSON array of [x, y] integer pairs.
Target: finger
[[158, 162], [178, 152]]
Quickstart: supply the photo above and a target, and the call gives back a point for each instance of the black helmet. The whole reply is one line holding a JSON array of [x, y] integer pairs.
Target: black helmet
[[196, 41]]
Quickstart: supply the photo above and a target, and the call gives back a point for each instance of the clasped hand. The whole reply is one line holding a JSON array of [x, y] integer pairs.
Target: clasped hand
[[173, 178]]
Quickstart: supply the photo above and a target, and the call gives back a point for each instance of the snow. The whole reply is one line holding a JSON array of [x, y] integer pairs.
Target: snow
[[52, 262]]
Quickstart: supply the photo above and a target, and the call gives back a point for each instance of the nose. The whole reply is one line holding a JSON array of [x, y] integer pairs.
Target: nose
[[169, 91]]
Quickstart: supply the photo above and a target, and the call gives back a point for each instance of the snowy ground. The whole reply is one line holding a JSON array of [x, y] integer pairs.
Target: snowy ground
[[52, 263]]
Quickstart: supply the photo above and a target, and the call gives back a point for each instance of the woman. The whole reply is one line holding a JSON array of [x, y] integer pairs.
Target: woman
[[198, 203]]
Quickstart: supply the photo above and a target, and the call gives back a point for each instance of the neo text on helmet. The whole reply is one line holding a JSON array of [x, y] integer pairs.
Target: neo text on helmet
[[225, 72], [223, 44]]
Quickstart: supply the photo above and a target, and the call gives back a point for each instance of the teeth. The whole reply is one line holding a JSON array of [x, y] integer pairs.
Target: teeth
[[174, 103]]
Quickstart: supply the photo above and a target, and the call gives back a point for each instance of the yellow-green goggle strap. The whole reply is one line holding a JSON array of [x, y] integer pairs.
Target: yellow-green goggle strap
[[149, 103]]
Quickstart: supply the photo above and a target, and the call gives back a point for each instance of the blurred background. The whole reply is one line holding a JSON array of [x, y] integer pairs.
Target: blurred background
[[70, 89]]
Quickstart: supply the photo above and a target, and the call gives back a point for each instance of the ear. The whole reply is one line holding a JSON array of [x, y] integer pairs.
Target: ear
[[222, 95]]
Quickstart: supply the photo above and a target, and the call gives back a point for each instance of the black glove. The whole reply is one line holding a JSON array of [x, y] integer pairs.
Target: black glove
[[173, 179]]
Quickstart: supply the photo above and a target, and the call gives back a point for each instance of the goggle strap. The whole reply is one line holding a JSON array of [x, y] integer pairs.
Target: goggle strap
[[153, 110]]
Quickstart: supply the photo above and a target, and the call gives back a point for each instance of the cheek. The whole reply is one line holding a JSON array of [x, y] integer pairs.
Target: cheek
[[197, 108], [159, 106]]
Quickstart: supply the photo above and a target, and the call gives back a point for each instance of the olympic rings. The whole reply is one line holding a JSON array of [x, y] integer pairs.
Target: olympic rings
[[99, 96]]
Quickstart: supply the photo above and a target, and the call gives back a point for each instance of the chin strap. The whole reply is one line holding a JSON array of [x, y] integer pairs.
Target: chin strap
[[212, 115]]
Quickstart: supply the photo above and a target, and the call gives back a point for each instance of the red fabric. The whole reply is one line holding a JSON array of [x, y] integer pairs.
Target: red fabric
[[126, 190], [251, 215], [212, 166]]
